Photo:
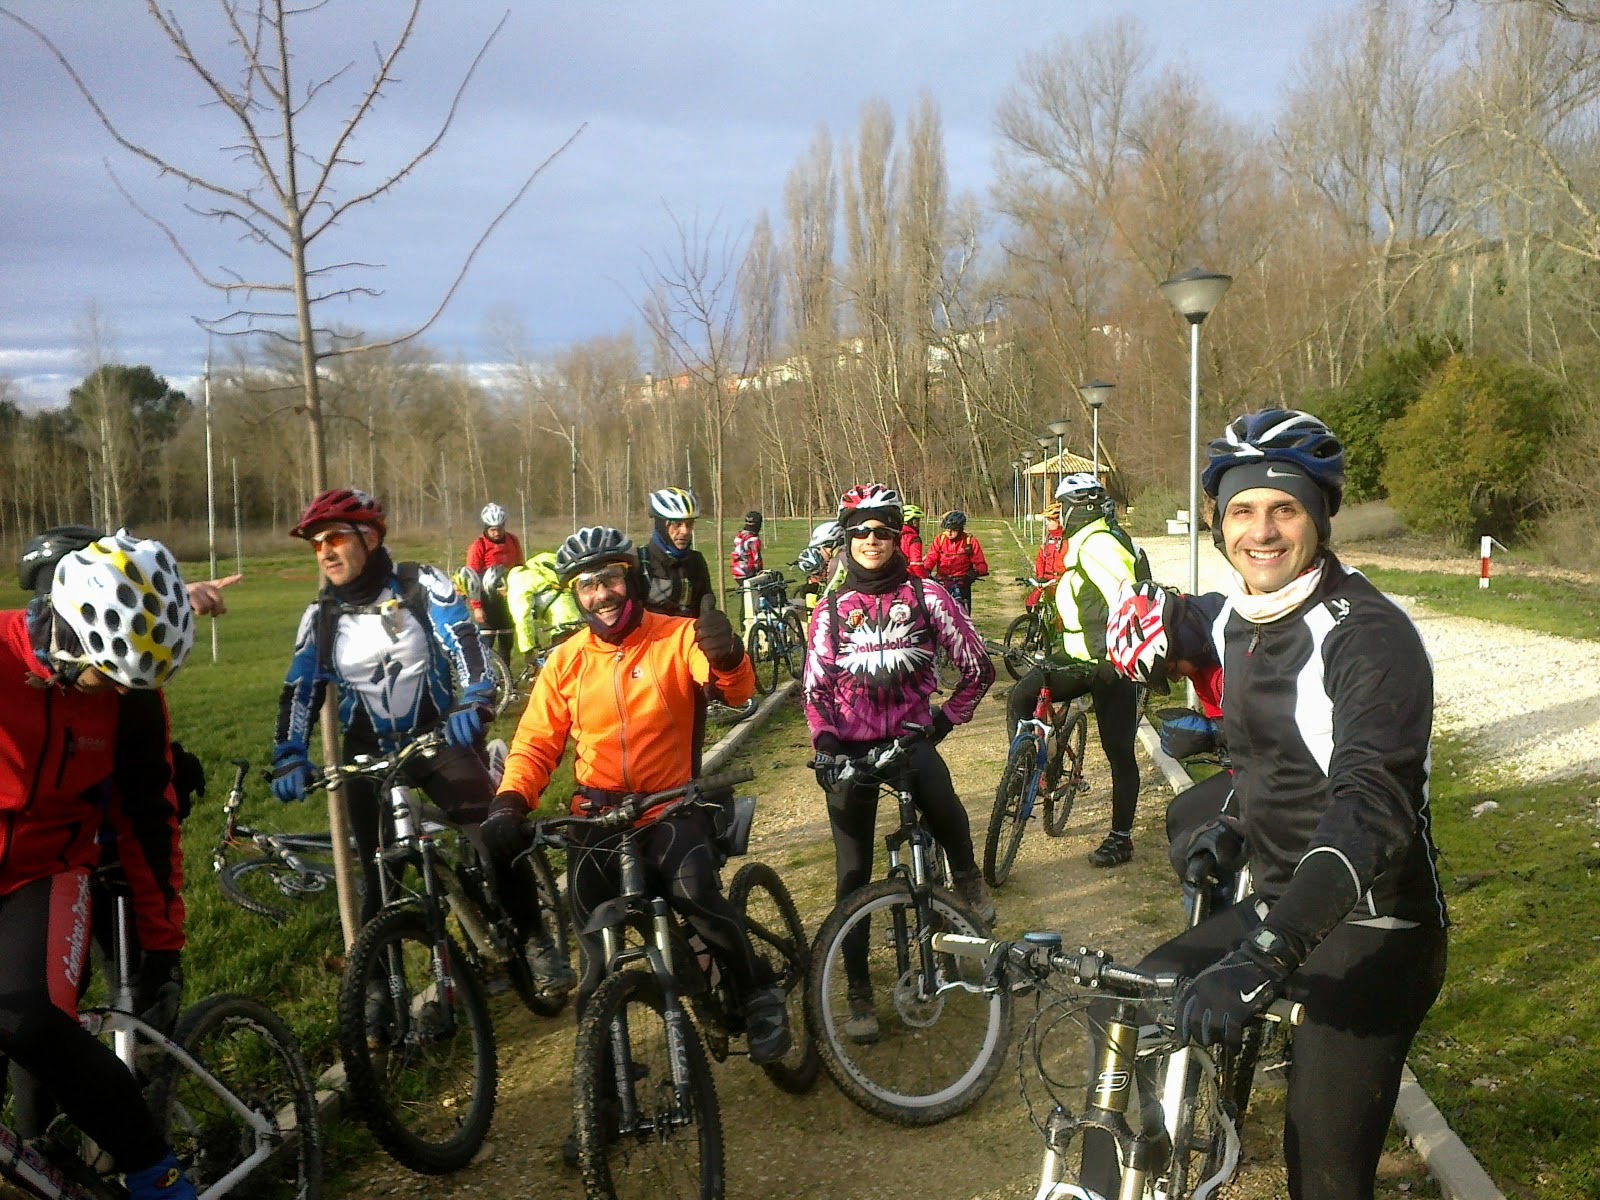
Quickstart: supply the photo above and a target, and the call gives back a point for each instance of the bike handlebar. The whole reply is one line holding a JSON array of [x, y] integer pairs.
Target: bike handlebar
[[630, 808], [1087, 968], [878, 759]]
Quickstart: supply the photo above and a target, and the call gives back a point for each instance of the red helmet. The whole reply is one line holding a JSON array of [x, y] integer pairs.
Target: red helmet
[[870, 497], [342, 504]]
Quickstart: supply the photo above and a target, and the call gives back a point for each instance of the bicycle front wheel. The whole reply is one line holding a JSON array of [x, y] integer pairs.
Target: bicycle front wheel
[[1023, 635], [1064, 776], [252, 1054], [417, 1044], [779, 939], [930, 1048], [1013, 805], [503, 683], [1205, 1141], [658, 1136], [553, 917], [262, 885]]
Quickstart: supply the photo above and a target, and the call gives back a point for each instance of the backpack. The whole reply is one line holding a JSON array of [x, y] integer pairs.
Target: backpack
[[1141, 560], [413, 596]]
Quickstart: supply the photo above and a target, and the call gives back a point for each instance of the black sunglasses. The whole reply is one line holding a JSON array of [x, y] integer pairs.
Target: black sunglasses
[[875, 532]]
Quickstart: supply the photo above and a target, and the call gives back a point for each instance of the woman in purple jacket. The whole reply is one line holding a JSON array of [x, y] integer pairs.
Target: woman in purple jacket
[[870, 679]]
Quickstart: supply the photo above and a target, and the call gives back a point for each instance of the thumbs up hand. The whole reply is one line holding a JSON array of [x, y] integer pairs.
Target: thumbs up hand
[[713, 632]]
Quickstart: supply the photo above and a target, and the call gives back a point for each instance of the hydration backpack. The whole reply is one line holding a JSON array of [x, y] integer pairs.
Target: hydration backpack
[[413, 596]]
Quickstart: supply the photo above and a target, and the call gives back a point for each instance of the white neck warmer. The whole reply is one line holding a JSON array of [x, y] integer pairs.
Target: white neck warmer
[[1260, 610]]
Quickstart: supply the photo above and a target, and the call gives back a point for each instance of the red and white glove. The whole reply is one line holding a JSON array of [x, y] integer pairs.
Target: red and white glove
[[1136, 633]]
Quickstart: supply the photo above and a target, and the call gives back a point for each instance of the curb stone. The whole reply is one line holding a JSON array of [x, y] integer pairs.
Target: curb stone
[[1460, 1175]]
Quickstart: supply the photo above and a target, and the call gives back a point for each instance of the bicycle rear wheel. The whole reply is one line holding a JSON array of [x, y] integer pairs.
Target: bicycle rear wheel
[[763, 657], [796, 630], [417, 1044], [262, 885], [503, 684], [779, 939], [1013, 804], [553, 917], [1064, 776], [244, 1045], [656, 1140], [934, 1052]]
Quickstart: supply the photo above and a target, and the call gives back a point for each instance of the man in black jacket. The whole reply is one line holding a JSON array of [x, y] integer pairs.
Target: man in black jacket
[[676, 574], [1328, 711]]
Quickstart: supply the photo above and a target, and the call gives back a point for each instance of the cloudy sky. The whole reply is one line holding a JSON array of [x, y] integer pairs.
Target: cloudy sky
[[693, 107]]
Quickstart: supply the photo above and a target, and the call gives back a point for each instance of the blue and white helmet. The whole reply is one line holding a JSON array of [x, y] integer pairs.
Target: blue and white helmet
[[1283, 435]]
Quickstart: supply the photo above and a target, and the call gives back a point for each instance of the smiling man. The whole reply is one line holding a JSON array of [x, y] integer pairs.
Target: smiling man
[[623, 690], [1327, 697]]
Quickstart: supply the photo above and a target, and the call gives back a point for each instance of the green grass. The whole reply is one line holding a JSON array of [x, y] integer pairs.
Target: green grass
[[1543, 605], [1511, 1052]]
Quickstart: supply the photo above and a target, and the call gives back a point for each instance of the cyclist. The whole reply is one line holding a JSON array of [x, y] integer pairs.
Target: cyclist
[[745, 563], [1096, 566], [911, 540], [1328, 713], [403, 652], [956, 559], [84, 720], [870, 679], [813, 567], [623, 689], [676, 575], [1048, 563], [495, 547], [543, 611]]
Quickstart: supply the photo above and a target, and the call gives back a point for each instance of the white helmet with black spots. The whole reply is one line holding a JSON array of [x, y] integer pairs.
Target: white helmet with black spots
[[674, 504], [126, 603], [493, 516]]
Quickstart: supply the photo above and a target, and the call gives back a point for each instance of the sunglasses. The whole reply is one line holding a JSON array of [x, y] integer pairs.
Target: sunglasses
[[605, 579], [332, 538], [876, 532]]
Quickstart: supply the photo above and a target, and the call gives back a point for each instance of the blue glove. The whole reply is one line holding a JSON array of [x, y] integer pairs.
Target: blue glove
[[291, 774], [1217, 1004], [464, 725]]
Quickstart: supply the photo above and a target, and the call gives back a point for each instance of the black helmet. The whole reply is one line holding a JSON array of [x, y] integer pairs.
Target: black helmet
[[593, 546], [752, 520], [36, 569], [954, 519]]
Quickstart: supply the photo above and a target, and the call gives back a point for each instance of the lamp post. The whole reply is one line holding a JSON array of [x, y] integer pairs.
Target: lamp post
[[1194, 294], [1027, 490], [1044, 469], [1016, 491], [1059, 428], [1095, 394]]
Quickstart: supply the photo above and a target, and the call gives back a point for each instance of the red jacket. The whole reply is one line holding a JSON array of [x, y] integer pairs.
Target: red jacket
[[71, 761], [911, 547], [954, 555], [1047, 565], [483, 553]]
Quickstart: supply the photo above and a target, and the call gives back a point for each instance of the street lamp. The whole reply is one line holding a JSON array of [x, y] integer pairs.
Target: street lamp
[[1194, 294], [1059, 428], [1016, 491], [1027, 490], [1044, 467], [1095, 394]]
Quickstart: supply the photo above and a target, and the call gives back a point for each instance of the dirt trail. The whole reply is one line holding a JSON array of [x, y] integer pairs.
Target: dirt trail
[[780, 1146]]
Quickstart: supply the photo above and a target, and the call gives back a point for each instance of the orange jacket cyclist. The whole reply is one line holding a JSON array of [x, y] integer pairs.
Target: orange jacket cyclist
[[623, 691]]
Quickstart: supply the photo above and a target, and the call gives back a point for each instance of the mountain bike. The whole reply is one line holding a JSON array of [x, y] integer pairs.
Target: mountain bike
[[1033, 633], [941, 1045], [289, 867], [513, 687], [646, 1105], [1045, 759], [229, 1088], [414, 1025], [1079, 1064], [777, 638]]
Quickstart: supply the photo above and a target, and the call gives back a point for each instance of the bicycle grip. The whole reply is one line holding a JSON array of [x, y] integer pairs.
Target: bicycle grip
[[724, 779], [1287, 1012]]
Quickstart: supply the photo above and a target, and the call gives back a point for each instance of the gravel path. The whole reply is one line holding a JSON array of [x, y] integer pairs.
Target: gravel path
[[1529, 701]]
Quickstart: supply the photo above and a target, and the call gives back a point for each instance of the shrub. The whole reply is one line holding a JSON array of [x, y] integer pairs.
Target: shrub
[[1460, 463], [1385, 388]]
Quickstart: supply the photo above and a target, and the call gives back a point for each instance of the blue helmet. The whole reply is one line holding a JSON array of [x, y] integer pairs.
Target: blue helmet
[[1283, 435]]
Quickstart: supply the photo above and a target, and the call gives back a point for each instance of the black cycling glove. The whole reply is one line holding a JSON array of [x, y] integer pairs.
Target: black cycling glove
[[505, 830], [942, 725], [714, 634], [158, 989], [1217, 1004]]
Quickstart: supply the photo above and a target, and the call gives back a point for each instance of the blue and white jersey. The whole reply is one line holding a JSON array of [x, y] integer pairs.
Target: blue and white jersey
[[397, 674]]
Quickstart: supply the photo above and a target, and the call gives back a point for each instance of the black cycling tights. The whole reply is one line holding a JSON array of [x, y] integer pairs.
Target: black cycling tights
[[1366, 992], [853, 815], [1116, 715], [455, 779], [680, 865], [41, 957]]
